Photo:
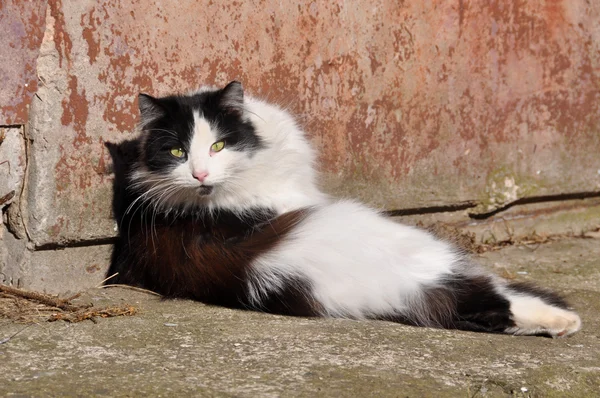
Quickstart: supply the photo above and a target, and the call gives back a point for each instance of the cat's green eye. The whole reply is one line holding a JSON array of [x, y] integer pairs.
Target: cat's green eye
[[217, 146], [177, 152]]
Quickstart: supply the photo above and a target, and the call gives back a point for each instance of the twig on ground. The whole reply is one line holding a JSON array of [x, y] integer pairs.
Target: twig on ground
[[7, 339], [39, 297], [27, 306], [124, 310], [138, 289], [110, 277]]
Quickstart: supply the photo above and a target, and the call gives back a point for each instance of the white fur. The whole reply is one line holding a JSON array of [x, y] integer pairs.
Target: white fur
[[533, 316], [359, 262], [281, 177]]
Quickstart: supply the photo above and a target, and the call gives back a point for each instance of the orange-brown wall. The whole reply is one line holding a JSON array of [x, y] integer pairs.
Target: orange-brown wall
[[411, 103]]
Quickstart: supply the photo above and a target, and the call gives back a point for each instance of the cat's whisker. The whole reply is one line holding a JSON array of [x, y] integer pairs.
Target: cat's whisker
[[144, 196], [168, 192], [171, 132]]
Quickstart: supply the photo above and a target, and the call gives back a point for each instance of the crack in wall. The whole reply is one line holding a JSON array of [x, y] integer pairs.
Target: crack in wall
[[415, 211], [73, 244], [430, 209], [23, 220], [537, 199], [390, 213]]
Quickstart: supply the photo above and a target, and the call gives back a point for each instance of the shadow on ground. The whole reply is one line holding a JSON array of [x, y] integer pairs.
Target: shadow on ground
[[174, 348]]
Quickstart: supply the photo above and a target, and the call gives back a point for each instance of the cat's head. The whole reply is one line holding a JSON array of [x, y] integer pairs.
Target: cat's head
[[193, 146]]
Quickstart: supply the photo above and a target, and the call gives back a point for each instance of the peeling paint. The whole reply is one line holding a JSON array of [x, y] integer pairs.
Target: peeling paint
[[91, 23], [75, 113], [62, 40], [22, 27]]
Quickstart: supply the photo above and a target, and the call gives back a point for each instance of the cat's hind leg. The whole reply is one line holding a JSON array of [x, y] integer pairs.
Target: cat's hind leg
[[483, 303], [535, 311]]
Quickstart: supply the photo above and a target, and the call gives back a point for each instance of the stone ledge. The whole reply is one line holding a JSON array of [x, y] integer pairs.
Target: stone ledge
[[184, 348]]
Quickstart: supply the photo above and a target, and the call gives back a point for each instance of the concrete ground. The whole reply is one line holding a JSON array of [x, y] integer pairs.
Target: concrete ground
[[183, 348]]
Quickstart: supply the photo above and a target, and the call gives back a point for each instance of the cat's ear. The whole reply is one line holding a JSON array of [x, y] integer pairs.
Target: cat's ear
[[232, 97], [150, 108]]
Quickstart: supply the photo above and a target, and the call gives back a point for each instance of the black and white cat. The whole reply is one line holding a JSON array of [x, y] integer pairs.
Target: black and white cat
[[218, 202]]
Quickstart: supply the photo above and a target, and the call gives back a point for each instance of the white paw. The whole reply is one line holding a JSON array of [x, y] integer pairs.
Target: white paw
[[532, 316], [562, 325]]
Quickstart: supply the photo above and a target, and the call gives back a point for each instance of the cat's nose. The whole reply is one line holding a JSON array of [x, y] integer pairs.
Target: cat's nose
[[200, 175]]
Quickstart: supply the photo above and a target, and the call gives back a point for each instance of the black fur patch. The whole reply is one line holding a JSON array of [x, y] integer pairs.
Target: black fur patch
[[168, 123], [465, 303], [478, 306], [294, 299]]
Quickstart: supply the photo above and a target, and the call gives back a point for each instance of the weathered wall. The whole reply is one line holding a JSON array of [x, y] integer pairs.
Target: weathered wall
[[22, 27], [412, 104]]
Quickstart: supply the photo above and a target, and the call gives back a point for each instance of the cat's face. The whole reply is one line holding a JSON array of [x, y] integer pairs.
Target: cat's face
[[193, 146]]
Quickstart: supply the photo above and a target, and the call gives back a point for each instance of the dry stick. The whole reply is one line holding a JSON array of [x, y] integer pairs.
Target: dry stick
[[110, 277], [74, 313], [77, 295], [68, 299], [41, 298], [6, 340], [138, 289], [124, 310]]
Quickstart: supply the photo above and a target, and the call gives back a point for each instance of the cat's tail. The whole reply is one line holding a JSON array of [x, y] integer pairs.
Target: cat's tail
[[487, 304]]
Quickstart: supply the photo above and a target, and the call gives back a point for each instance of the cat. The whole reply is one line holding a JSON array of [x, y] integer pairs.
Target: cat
[[217, 201]]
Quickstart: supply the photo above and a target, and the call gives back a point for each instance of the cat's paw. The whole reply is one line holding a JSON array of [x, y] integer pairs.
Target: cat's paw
[[561, 324], [532, 316], [566, 325]]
